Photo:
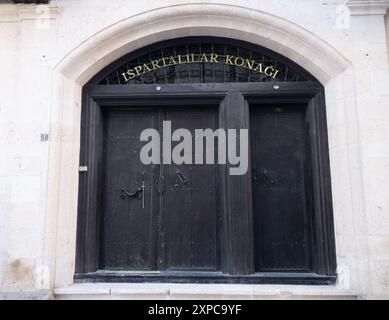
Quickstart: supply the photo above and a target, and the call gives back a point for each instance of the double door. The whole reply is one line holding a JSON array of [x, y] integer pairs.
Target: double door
[[158, 216]]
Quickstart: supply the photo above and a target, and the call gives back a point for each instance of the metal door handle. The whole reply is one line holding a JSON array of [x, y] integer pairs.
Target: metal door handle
[[136, 194]]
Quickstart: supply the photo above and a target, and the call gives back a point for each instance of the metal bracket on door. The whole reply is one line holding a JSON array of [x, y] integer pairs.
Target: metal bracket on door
[[138, 194], [181, 177], [269, 177]]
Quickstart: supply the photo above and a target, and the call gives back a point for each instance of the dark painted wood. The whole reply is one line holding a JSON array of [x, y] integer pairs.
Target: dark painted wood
[[88, 226], [190, 216], [238, 253], [323, 224], [300, 278], [130, 229], [324, 261], [282, 215], [206, 90], [179, 226]]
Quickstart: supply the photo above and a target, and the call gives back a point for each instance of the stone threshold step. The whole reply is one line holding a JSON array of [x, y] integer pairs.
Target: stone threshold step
[[166, 291]]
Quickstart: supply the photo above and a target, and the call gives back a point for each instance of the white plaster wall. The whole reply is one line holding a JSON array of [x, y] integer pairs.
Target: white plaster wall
[[9, 50], [43, 70], [387, 32]]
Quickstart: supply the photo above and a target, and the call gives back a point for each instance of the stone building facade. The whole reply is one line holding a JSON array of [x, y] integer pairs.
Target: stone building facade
[[50, 51]]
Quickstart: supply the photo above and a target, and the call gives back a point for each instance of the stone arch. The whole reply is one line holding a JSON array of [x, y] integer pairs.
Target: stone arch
[[82, 63], [230, 21]]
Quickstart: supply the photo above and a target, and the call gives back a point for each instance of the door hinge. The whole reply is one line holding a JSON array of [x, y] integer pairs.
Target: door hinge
[[162, 250], [162, 239], [161, 186]]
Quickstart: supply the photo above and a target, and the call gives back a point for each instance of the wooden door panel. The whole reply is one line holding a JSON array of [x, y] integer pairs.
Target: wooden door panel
[[190, 215], [129, 228], [280, 171]]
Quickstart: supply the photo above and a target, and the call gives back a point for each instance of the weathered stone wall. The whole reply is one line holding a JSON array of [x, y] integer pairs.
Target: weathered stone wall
[[48, 52]]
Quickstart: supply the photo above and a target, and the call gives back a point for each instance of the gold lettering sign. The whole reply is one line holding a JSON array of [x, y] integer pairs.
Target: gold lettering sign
[[163, 62]]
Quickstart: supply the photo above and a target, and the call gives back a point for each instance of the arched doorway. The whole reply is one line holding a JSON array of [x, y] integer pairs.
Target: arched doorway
[[196, 222]]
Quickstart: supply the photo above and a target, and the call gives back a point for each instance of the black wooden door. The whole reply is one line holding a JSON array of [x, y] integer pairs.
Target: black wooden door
[[281, 187], [190, 210], [157, 217], [129, 221]]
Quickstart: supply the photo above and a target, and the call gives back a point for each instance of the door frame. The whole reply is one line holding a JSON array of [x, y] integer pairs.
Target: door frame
[[236, 210]]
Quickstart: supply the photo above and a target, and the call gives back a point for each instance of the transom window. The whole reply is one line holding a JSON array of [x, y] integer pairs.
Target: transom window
[[202, 61]]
